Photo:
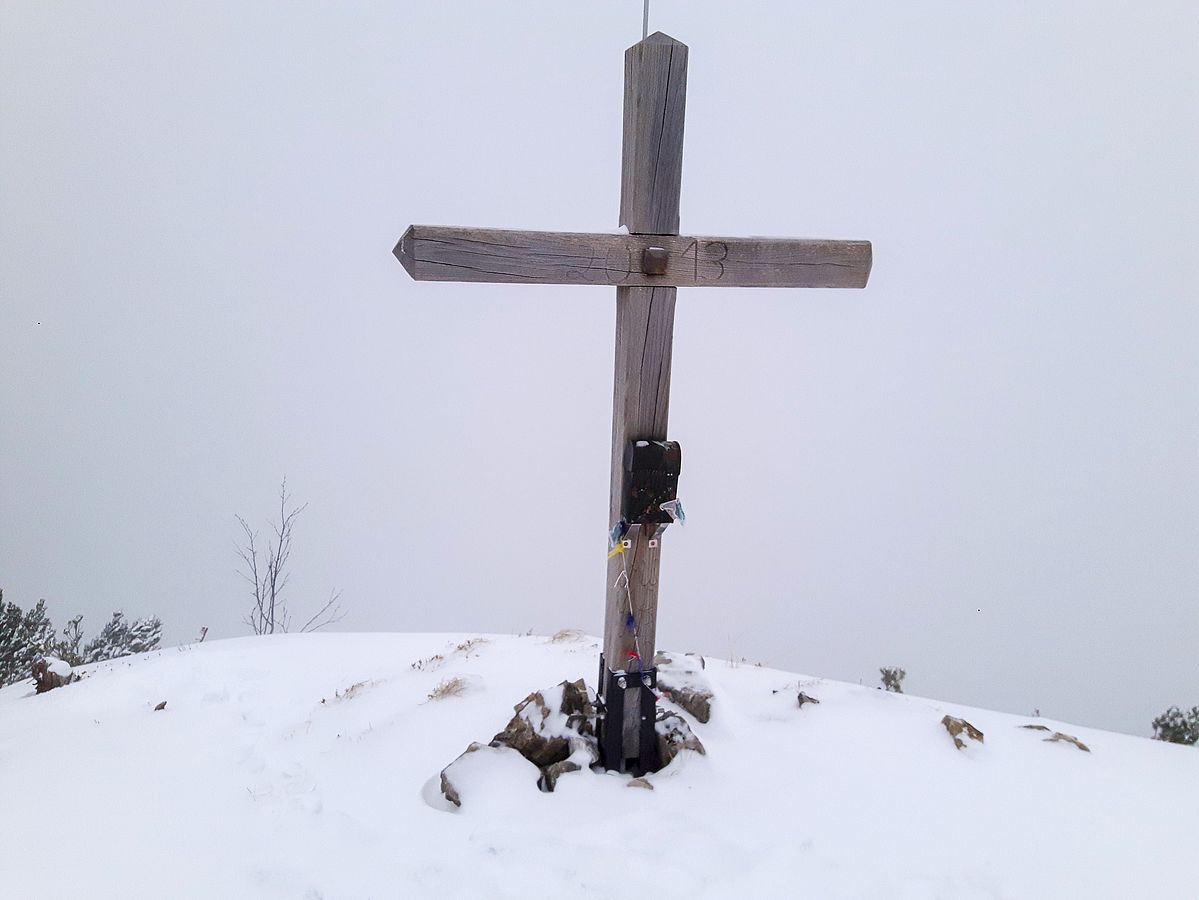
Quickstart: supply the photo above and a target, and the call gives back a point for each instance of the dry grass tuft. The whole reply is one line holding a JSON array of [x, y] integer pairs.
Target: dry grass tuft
[[435, 661], [449, 687], [352, 691], [566, 635]]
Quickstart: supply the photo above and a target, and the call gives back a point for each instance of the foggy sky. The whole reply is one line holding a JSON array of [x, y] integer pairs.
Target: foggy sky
[[981, 468]]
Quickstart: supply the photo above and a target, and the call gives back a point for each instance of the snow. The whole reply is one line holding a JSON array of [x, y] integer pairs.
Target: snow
[[307, 766], [59, 667]]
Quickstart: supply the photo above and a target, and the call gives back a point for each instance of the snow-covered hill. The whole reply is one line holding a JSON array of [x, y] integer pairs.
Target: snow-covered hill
[[301, 767]]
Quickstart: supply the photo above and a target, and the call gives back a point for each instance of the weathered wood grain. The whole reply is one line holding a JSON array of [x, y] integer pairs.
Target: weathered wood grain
[[655, 87], [440, 253], [640, 411], [655, 99]]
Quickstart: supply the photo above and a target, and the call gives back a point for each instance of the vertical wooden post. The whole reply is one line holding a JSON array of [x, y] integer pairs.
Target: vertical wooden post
[[654, 104]]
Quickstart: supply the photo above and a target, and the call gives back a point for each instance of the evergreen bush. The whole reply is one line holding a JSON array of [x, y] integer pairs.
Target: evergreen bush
[[122, 638], [1176, 726], [26, 637], [892, 679]]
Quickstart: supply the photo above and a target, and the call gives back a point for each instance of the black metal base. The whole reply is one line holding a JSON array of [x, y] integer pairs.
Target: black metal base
[[628, 741]]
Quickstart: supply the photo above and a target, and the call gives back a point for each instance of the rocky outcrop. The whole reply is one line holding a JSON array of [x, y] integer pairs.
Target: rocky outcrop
[[1069, 739], [804, 698], [448, 789], [674, 736], [479, 765], [554, 729], [551, 773], [553, 725], [958, 727], [1059, 736], [681, 680], [50, 673], [531, 733]]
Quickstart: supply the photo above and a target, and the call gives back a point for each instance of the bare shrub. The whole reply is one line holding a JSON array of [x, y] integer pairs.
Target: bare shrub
[[267, 575]]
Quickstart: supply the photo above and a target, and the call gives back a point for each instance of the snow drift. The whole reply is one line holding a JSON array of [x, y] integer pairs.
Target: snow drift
[[306, 766]]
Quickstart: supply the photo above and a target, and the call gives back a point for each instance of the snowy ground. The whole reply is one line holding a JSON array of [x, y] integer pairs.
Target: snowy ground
[[268, 775]]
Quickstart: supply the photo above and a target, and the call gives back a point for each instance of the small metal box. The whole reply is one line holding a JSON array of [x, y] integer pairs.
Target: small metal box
[[651, 479]]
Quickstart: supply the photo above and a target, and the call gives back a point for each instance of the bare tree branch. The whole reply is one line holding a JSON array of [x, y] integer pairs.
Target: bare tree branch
[[328, 614], [268, 576], [256, 618]]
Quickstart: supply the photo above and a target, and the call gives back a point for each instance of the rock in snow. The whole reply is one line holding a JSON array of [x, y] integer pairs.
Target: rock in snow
[[1070, 739], [804, 698], [551, 725], [674, 736], [681, 679], [554, 729], [958, 727], [50, 673]]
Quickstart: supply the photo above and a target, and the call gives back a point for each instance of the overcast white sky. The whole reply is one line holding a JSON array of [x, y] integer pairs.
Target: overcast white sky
[[982, 468]]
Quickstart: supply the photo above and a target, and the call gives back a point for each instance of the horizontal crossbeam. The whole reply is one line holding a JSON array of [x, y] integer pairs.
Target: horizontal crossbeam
[[438, 253]]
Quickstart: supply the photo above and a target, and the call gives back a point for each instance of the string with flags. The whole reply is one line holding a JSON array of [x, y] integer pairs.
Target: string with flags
[[617, 545]]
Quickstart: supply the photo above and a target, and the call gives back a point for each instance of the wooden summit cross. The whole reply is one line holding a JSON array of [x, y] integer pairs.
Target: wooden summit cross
[[646, 266]]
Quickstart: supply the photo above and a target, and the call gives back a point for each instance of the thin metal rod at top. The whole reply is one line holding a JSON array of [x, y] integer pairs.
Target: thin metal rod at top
[[645, 21]]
